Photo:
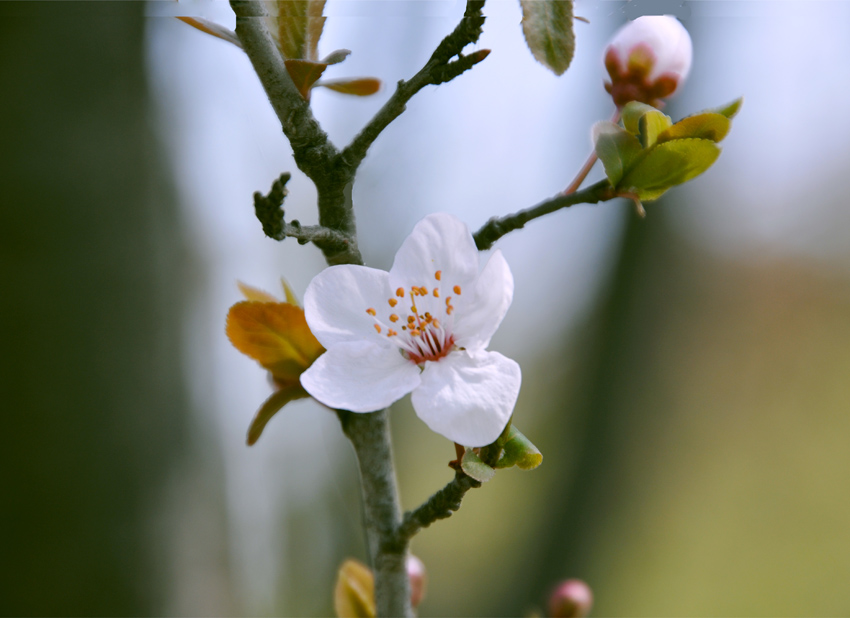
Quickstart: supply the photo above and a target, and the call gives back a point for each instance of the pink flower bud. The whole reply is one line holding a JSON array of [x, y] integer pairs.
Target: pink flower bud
[[648, 59], [571, 599], [416, 573]]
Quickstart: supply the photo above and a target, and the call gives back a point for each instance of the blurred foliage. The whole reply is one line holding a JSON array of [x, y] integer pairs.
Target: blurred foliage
[[90, 379]]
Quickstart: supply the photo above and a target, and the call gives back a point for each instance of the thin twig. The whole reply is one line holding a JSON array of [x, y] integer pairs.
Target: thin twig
[[439, 506], [497, 227], [439, 69]]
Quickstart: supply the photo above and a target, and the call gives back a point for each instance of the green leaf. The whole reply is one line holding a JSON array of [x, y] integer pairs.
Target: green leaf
[[616, 148], [474, 467], [669, 164], [272, 406], [519, 451], [631, 114], [730, 109], [707, 125], [548, 29]]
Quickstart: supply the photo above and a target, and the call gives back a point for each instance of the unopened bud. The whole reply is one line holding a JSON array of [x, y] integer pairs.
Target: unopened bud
[[648, 59], [416, 573], [571, 599]]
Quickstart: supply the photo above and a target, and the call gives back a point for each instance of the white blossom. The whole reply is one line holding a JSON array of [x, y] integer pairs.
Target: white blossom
[[423, 327]]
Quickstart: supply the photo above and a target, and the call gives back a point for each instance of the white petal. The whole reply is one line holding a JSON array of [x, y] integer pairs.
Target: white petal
[[336, 301], [361, 377], [438, 242], [479, 316], [468, 397]]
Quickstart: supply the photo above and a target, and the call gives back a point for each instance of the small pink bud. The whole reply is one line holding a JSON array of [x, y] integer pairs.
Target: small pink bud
[[416, 573], [571, 599], [648, 59]]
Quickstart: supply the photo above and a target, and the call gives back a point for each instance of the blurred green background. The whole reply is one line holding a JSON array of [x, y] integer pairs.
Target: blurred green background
[[686, 376]]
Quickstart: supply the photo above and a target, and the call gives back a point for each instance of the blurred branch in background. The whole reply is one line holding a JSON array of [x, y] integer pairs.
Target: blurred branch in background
[[90, 259]]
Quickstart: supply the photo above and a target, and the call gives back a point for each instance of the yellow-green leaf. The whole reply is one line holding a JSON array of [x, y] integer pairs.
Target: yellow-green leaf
[[730, 109], [616, 148], [650, 125], [276, 335], [360, 87], [272, 406], [548, 29], [669, 164], [631, 114], [519, 451], [707, 125], [354, 593]]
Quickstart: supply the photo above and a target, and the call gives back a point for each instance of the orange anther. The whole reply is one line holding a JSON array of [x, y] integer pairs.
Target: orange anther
[[370, 311], [415, 332], [391, 333], [393, 302], [448, 300], [377, 327], [393, 318], [449, 310], [400, 292], [438, 275], [436, 323], [423, 291], [410, 319], [436, 293], [457, 289]]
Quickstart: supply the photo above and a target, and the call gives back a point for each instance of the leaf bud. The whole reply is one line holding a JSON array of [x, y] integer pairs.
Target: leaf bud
[[571, 599], [647, 60]]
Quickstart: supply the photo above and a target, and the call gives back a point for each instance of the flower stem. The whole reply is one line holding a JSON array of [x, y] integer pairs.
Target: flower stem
[[588, 165]]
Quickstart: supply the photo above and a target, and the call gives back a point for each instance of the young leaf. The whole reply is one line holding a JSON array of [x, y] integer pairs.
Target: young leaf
[[276, 335], [361, 87], [336, 56], [650, 125], [304, 74], [297, 25], [210, 27], [616, 148], [474, 467], [548, 29], [252, 293], [730, 109], [354, 593], [707, 125], [631, 114], [272, 406], [520, 452], [669, 164]]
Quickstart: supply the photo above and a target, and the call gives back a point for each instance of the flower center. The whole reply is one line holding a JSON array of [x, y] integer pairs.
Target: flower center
[[423, 329]]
